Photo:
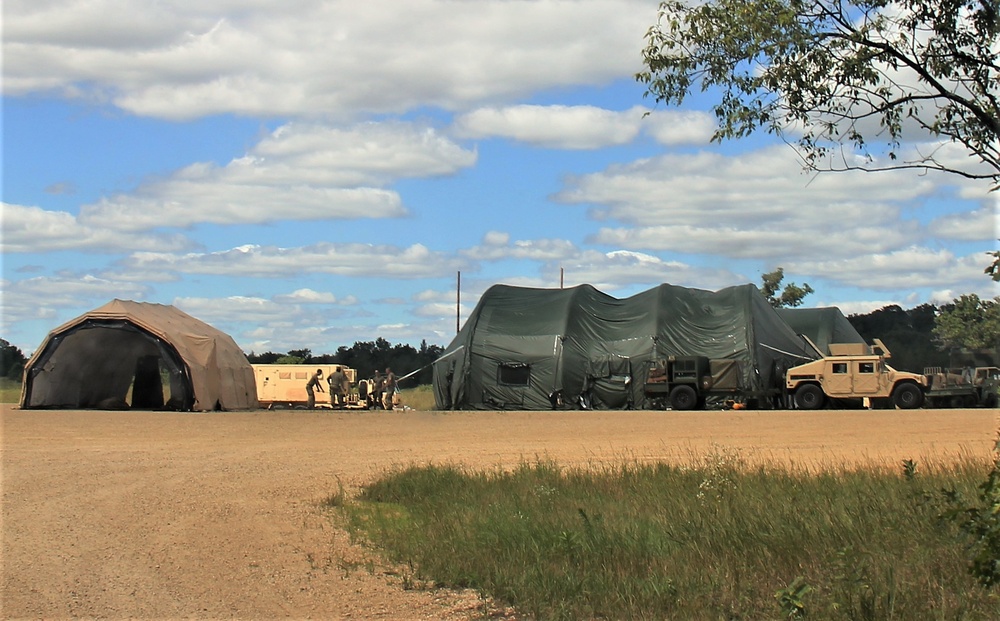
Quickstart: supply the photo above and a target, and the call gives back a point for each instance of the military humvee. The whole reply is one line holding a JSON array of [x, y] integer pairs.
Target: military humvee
[[854, 372]]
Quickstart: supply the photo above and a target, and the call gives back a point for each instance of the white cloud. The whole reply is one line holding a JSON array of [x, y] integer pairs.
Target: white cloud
[[861, 307], [756, 205], [298, 172], [982, 224], [679, 127], [358, 260], [441, 309], [183, 204], [618, 270], [783, 239], [758, 187], [48, 297], [308, 296], [235, 308], [185, 60], [366, 153], [557, 127], [497, 246], [609, 271], [905, 268], [33, 229], [584, 127]]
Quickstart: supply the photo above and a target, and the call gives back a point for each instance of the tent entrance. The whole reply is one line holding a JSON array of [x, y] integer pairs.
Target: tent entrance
[[108, 364]]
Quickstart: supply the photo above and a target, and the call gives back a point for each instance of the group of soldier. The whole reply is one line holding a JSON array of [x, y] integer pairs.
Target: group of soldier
[[382, 389]]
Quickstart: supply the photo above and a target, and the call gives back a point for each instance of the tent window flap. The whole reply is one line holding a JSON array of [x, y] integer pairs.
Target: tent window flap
[[513, 374]]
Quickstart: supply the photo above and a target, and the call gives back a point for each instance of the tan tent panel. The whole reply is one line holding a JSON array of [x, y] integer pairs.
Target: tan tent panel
[[138, 355]]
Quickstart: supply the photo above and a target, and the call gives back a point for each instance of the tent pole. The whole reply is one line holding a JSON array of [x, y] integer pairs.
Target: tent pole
[[458, 301], [560, 278]]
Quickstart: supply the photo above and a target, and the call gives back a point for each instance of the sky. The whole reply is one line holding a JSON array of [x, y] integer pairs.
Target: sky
[[306, 174]]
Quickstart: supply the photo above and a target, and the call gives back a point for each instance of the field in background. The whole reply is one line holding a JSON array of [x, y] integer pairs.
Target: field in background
[[420, 398], [10, 391]]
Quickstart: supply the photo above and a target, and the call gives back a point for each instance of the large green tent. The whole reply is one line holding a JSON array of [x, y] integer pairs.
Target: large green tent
[[535, 349], [822, 325]]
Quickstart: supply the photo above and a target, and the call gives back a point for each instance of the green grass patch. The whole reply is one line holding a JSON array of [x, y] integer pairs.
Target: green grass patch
[[10, 390], [721, 540], [420, 398]]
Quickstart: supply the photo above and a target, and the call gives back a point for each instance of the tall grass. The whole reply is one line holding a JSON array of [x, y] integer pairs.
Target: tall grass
[[419, 398], [10, 390], [718, 541]]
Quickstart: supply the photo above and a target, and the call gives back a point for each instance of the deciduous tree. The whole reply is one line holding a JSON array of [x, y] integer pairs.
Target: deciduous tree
[[792, 294], [12, 360], [994, 269], [969, 323], [846, 81]]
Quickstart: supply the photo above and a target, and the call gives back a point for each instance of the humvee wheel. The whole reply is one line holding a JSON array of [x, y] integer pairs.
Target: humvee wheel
[[683, 397], [907, 396], [809, 397]]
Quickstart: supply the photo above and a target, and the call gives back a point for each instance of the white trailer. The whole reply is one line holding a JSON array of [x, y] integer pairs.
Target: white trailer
[[284, 385]]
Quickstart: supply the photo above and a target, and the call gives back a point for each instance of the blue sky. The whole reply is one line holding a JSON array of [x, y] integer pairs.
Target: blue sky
[[311, 174]]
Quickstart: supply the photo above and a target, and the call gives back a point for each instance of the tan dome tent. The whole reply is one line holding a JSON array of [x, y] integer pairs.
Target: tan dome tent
[[138, 355]]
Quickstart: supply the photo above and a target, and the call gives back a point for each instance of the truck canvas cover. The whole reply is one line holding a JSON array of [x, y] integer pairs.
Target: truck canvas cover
[[536, 349], [138, 355]]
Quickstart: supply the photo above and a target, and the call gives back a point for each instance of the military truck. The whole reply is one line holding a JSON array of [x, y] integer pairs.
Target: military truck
[[853, 373], [688, 382], [963, 388]]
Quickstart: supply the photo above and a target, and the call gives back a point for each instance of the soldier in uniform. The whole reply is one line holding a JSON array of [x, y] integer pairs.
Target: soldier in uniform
[[339, 385], [390, 388], [377, 385], [313, 385]]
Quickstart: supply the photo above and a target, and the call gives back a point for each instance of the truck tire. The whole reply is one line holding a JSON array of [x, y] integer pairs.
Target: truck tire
[[907, 396], [809, 397], [683, 397], [990, 401]]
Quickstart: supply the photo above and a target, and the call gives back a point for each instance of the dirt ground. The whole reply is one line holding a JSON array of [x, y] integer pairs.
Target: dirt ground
[[142, 515]]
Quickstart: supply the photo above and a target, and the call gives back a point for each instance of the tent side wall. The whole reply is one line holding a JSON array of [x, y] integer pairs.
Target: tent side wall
[[508, 354], [822, 325]]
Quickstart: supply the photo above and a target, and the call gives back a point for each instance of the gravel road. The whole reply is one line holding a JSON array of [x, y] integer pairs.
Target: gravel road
[[143, 515]]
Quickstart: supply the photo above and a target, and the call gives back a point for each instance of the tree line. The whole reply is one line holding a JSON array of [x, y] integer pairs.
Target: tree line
[[964, 332], [366, 357]]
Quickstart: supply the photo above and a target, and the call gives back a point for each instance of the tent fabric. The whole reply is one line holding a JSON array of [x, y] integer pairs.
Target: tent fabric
[[822, 325], [534, 349], [138, 355]]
